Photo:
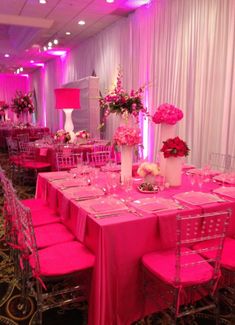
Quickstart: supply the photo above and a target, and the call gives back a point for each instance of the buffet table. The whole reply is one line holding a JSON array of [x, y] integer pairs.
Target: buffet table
[[121, 237]]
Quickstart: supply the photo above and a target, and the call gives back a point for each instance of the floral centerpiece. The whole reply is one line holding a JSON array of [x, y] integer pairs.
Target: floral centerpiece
[[82, 134], [120, 102], [175, 148], [148, 171], [147, 168], [62, 136], [22, 103], [126, 135], [3, 107], [167, 113]]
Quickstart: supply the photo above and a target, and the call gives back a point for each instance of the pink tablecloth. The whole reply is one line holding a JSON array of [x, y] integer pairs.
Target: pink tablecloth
[[119, 242]]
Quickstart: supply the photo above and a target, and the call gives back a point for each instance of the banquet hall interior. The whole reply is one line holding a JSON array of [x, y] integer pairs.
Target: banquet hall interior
[[117, 162]]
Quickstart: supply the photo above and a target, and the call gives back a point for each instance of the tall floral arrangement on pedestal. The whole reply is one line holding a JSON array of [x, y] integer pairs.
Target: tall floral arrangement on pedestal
[[126, 137], [167, 113], [22, 103], [120, 102]]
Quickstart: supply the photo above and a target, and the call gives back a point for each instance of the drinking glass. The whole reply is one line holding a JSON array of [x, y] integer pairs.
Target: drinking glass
[[192, 178], [128, 183]]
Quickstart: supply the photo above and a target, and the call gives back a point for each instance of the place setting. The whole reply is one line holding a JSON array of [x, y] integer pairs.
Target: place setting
[[198, 198]]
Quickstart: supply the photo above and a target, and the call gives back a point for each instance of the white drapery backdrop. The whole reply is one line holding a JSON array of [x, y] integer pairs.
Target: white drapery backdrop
[[182, 51]]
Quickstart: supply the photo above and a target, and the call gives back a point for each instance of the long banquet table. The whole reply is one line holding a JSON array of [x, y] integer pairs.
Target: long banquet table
[[119, 241]]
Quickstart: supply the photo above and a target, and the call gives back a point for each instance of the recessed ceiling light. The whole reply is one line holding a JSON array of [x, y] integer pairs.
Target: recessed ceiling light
[[7, 55], [81, 22], [67, 33], [44, 48], [110, 1], [21, 69], [49, 44], [56, 41], [42, 2], [31, 61]]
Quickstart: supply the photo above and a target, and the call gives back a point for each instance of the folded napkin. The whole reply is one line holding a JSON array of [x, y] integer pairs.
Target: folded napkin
[[43, 152]]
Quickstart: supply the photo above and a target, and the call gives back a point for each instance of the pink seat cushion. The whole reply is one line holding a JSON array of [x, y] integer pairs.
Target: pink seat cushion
[[35, 164], [63, 259], [52, 234], [228, 253], [162, 264], [41, 213]]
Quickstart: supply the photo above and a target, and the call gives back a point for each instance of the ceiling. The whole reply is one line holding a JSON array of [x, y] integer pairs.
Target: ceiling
[[26, 26]]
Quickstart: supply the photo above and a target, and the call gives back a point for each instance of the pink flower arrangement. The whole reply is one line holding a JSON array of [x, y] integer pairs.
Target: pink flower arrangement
[[120, 102], [62, 136], [167, 113], [22, 103], [83, 134], [126, 135], [175, 148]]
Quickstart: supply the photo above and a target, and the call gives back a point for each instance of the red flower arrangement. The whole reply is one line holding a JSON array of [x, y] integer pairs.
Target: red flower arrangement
[[175, 148]]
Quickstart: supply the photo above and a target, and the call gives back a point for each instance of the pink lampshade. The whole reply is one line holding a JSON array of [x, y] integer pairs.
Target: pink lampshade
[[67, 98]]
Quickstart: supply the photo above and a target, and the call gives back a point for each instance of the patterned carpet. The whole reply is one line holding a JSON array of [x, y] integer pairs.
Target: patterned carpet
[[11, 314]]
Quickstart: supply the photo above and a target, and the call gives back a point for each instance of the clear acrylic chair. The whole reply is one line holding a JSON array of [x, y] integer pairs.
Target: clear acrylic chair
[[66, 160], [98, 158], [30, 164], [221, 162], [22, 137], [180, 278], [55, 276], [14, 156]]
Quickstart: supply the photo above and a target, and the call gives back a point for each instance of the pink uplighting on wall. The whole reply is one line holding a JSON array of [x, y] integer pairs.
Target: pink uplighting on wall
[[137, 3], [57, 52]]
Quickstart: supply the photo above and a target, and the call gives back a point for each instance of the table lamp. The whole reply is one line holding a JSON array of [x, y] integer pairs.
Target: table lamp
[[68, 99]]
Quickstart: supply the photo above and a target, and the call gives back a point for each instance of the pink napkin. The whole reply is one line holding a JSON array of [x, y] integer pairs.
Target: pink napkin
[[43, 151]]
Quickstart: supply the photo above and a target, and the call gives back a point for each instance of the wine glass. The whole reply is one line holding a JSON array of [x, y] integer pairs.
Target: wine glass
[[128, 183], [192, 178]]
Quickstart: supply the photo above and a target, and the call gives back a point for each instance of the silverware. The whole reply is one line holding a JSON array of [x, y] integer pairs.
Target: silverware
[[116, 213], [83, 198]]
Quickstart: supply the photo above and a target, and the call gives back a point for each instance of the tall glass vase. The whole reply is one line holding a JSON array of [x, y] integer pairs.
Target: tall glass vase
[[126, 162], [167, 131]]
